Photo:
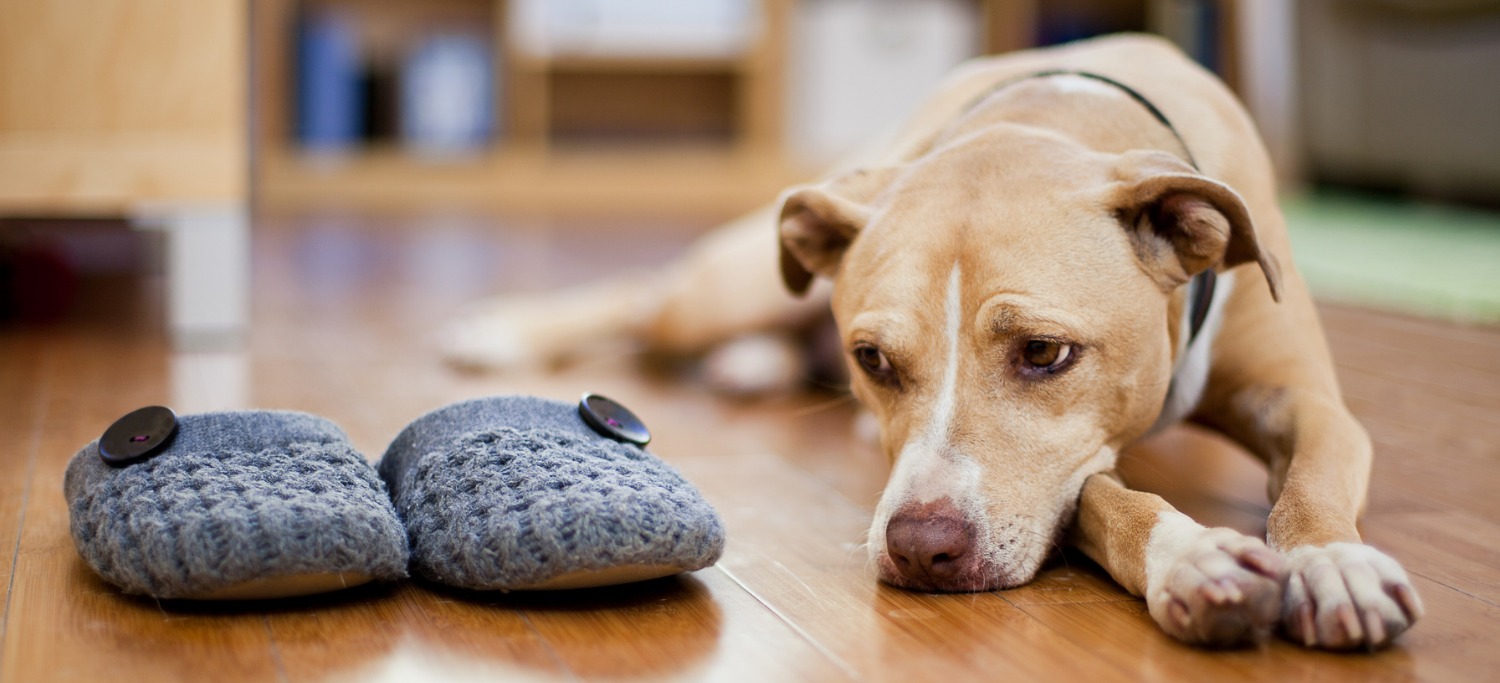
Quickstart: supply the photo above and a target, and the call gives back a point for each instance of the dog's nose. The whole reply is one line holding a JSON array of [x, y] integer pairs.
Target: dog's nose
[[930, 544]]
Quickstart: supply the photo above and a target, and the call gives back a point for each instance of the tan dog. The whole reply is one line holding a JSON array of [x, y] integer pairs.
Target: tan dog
[[1012, 291]]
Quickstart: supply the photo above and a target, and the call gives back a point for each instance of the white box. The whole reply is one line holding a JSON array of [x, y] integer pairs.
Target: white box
[[858, 68], [634, 28]]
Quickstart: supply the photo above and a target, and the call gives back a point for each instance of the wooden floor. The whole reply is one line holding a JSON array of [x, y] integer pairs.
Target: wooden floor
[[342, 310]]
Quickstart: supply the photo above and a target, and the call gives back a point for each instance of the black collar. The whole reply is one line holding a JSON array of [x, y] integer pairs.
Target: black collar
[[1201, 292]]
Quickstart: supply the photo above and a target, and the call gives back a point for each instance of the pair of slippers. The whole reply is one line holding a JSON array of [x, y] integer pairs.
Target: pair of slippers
[[504, 493]]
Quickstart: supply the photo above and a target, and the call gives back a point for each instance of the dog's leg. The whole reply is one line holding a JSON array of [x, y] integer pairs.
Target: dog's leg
[[728, 285], [542, 329], [1203, 586], [724, 287], [1341, 594]]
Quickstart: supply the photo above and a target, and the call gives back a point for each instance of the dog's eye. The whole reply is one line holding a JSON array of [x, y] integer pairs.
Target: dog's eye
[[873, 361], [1042, 354]]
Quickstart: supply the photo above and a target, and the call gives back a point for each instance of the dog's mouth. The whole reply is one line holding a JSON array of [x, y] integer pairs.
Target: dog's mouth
[[975, 578]]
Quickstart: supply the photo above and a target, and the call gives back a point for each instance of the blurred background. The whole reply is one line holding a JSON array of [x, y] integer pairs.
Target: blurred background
[[494, 145], [229, 204]]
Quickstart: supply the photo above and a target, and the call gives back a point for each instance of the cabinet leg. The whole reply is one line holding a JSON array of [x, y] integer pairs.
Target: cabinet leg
[[208, 274]]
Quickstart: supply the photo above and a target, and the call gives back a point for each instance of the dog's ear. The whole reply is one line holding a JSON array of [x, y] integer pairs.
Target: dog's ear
[[1183, 223], [819, 222]]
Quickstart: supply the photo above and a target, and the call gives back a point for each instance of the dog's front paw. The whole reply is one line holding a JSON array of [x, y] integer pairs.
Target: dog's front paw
[[484, 340], [1343, 596], [1214, 587], [754, 365]]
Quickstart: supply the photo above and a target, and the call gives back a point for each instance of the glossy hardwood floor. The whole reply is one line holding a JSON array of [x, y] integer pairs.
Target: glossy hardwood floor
[[342, 312]]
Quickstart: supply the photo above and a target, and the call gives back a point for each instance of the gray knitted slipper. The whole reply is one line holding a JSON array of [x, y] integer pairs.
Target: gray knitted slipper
[[233, 505], [520, 493]]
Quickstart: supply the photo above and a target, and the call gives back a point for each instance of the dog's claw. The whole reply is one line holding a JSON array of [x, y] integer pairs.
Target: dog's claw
[[1374, 628], [1411, 605], [1265, 561], [1349, 619], [1179, 613], [1213, 592], [1231, 591], [1309, 629]]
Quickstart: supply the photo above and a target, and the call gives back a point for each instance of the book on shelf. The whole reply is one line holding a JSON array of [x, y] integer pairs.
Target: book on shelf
[[435, 98]]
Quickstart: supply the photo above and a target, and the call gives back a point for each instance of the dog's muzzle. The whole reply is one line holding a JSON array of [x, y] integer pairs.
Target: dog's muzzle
[[932, 546]]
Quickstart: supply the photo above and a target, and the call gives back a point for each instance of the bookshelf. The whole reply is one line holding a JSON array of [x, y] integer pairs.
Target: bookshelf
[[700, 134], [708, 136]]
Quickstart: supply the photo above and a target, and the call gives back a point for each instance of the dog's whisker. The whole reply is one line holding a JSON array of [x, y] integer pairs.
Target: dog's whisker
[[863, 548], [823, 405]]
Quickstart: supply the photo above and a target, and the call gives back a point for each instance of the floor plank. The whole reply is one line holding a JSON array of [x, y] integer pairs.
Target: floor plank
[[1462, 346], [1454, 549], [23, 384]]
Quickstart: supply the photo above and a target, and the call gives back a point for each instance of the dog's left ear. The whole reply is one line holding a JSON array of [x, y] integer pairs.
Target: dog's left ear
[[1183, 223], [819, 222]]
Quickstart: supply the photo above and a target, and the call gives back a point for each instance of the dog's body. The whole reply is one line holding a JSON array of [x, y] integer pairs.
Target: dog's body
[[1010, 290]]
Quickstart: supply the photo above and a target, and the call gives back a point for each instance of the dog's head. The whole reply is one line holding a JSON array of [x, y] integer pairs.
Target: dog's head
[[1004, 305]]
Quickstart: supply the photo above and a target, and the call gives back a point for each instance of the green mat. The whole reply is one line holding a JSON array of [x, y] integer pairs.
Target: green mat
[[1425, 259]]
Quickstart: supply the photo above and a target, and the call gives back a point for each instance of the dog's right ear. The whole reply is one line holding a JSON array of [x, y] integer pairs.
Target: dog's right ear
[[1184, 222], [819, 222]]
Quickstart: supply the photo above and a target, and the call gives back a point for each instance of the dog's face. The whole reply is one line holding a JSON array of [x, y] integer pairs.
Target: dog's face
[[1004, 305]]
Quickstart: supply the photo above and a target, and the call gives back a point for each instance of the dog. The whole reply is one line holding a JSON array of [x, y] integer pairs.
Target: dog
[[1065, 250]]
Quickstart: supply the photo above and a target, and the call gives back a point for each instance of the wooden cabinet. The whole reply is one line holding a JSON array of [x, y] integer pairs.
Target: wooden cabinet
[[105, 104], [137, 110]]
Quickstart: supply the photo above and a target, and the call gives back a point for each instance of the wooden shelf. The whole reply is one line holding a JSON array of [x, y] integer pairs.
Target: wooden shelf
[[115, 173], [633, 64], [704, 180]]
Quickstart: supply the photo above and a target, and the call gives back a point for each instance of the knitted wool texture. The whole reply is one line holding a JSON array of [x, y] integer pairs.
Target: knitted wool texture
[[508, 492], [236, 496]]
